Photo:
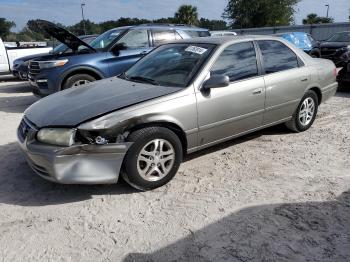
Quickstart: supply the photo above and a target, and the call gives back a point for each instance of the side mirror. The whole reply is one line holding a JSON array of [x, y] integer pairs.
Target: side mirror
[[119, 47], [216, 81]]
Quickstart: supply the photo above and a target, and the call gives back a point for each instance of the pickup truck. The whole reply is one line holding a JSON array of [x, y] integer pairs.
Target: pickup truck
[[9, 54], [110, 54]]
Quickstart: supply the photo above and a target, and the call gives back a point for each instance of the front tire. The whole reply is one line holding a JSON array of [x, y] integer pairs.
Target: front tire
[[78, 80], [305, 114], [153, 159]]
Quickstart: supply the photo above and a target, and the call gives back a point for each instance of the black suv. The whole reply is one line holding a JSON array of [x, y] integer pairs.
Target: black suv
[[337, 48]]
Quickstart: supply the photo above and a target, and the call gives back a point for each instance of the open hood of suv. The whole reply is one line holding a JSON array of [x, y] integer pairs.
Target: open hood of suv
[[62, 35]]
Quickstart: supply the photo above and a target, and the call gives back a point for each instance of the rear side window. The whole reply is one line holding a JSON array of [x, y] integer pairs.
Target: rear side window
[[194, 33], [277, 56], [163, 36], [137, 38], [237, 61]]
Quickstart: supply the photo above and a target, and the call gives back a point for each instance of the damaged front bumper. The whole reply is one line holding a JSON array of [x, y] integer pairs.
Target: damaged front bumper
[[78, 164]]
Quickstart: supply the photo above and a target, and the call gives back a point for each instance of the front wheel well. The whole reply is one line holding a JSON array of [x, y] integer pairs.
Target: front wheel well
[[81, 71], [318, 93], [173, 127]]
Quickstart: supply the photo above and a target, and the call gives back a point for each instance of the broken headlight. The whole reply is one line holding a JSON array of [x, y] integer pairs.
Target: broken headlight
[[57, 136]]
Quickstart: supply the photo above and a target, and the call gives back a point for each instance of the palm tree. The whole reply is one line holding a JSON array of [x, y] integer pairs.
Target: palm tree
[[187, 14]]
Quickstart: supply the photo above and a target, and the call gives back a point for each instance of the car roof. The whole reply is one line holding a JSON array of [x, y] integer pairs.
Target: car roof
[[290, 33], [170, 26], [226, 39]]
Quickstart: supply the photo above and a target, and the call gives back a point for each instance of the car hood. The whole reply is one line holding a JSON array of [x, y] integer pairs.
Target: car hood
[[62, 35], [74, 106], [30, 57], [335, 44]]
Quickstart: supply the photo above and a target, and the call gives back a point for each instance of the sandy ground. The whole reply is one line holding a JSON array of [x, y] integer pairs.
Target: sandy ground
[[269, 196]]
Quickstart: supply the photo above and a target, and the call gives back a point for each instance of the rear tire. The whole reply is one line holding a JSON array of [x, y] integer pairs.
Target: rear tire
[[77, 80], [153, 159], [305, 114]]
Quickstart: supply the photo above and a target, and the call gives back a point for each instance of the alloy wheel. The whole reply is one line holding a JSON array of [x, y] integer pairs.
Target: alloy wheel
[[307, 111], [80, 82], [155, 160]]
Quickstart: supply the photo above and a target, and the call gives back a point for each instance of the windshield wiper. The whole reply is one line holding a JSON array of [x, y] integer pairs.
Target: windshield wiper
[[144, 80], [123, 76]]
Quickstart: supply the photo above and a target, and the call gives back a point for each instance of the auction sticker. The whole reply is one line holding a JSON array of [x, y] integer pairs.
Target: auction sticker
[[196, 49]]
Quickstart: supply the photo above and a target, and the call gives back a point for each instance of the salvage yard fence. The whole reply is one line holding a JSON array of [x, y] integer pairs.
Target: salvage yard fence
[[318, 31]]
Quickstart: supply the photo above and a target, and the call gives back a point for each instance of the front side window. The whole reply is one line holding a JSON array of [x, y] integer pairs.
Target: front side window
[[163, 36], [277, 56], [237, 61], [170, 65], [135, 39], [105, 40]]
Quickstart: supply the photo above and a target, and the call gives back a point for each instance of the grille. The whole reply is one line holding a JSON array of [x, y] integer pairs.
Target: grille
[[23, 130], [34, 68]]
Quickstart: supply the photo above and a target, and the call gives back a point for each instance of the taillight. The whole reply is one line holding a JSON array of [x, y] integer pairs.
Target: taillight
[[335, 72]]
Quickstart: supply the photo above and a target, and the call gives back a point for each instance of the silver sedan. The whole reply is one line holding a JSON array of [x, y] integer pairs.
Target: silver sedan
[[179, 99]]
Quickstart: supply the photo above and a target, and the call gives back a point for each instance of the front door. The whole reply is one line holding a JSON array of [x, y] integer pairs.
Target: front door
[[228, 111], [137, 43]]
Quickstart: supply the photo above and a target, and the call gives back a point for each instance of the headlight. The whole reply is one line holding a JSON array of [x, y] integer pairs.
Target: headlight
[[57, 136], [53, 63]]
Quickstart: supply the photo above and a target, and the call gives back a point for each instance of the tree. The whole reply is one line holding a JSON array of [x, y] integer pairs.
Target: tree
[[187, 14], [5, 27], [78, 28], [168, 20], [315, 19], [260, 13], [213, 24]]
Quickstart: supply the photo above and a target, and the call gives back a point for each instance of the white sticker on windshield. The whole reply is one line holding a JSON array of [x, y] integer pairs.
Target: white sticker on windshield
[[196, 49]]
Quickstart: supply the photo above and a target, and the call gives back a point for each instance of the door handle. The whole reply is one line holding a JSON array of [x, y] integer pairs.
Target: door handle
[[257, 91], [144, 53], [304, 80]]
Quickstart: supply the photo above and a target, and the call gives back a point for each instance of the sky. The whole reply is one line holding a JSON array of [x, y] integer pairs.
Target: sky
[[68, 12]]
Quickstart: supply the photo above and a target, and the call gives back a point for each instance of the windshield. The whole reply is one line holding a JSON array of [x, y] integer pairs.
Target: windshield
[[340, 37], [170, 65], [106, 38]]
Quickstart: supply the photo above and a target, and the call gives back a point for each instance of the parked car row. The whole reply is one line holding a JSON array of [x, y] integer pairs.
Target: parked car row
[[108, 55], [336, 48], [74, 63], [183, 96]]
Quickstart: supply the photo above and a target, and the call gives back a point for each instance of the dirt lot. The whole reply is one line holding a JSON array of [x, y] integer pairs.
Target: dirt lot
[[269, 196]]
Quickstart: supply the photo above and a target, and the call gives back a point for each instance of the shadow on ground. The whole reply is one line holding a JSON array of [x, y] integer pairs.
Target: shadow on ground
[[311, 231], [16, 104], [16, 87], [271, 131], [19, 185]]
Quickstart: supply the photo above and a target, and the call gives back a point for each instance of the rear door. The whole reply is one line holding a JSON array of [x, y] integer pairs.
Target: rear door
[[234, 109], [4, 65], [286, 79]]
